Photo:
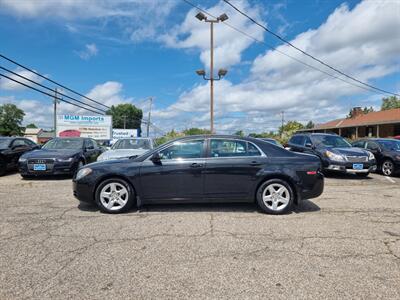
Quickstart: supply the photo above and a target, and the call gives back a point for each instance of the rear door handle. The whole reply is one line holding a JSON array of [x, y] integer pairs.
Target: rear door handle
[[196, 165], [255, 163]]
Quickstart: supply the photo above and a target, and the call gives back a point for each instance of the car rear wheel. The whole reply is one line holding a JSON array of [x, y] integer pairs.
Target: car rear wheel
[[114, 196], [275, 196], [387, 167]]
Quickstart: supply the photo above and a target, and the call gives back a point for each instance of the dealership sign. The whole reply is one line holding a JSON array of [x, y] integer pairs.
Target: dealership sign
[[124, 133], [96, 127]]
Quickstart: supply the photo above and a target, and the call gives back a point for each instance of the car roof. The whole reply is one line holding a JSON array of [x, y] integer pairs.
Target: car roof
[[377, 139], [315, 133], [219, 136]]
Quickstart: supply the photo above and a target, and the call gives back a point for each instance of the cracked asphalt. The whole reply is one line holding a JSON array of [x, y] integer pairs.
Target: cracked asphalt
[[344, 244]]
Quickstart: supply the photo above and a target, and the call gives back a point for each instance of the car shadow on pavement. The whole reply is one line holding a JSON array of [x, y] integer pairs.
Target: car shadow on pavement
[[346, 176], [47, 177]]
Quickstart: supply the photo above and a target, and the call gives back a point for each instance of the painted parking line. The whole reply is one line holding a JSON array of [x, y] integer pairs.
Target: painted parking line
[[390, 179]]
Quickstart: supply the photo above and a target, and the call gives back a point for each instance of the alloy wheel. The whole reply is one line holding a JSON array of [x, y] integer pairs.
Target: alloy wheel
[[276, 196], [114, 196], [387, 168]]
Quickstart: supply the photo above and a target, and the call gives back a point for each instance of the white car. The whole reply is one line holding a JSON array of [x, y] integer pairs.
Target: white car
[[125, 148]]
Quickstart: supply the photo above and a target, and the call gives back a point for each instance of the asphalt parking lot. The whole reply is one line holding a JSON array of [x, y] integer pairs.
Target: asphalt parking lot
[[344, 244]]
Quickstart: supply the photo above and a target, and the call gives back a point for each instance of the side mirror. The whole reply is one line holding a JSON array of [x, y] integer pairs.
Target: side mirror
[[89, 148], [155, 158], [309, 145]]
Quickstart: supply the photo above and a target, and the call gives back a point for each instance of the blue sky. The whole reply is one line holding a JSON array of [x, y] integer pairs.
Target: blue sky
[[127, 50]]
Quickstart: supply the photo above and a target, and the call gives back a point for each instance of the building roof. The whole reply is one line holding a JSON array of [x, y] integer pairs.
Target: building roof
[[32, 130], [372, 118]]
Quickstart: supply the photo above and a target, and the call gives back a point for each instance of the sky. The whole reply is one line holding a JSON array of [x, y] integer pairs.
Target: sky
[[125, 51]]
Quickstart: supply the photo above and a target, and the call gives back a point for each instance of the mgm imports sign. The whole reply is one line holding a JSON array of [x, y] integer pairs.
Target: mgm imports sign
[[95, 127]]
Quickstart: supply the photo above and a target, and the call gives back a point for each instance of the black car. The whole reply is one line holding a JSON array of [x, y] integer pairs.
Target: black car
[[212, 168], [335, 152], [386, 151], [11, 148], [59, 156]]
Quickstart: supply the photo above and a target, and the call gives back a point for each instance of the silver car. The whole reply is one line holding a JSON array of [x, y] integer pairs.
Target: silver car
[[124, 148]]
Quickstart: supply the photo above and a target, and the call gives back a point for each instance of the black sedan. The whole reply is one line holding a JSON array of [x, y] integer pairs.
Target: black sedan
[[212, 168], [59, 156], [11, 148], [335, 152], [386, 151]]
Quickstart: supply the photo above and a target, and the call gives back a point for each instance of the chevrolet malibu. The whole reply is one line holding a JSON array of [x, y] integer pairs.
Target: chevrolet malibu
[[214, 168]]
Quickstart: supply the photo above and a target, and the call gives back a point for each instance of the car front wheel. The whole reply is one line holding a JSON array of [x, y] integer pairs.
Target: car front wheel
[[114, 196], [275, 196], [387, 167]]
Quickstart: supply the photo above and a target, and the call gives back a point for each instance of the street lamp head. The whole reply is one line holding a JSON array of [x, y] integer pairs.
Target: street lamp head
[[222, 72], [201, 16], [223, 17], [201, 72]]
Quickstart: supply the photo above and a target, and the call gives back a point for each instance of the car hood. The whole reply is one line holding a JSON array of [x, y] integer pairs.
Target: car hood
[[349, 151], [121, 153], [51, 153]]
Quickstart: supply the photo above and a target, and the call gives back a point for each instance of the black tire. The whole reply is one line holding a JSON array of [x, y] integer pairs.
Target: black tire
[[387, 167], [362, 175], [267, 208], [130, 198]]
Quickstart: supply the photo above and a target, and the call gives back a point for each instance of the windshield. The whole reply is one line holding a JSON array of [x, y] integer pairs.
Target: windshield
[[330, 141], [64, 144], [132, 144], [390, 145], [4, 143]]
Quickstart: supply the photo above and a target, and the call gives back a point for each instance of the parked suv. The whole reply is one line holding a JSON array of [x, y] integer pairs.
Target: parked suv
[[335, 152], [386, 151]]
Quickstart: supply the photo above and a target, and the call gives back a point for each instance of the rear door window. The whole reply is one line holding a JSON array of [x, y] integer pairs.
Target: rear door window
[[227, 148]]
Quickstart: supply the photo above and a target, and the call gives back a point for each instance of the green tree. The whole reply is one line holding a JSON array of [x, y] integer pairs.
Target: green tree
[[10, 120], [310, 125], [31, 125], [125, 116], [239, 133], [168, 136], [290, 127], [390, 103], [195, 131], [365, 110]]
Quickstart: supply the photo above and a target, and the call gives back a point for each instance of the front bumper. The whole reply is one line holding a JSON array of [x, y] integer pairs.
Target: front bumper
[[53, 167], [348, 168], [83, 191]]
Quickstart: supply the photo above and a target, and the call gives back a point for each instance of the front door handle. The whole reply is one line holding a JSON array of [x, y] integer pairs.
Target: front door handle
[[196, 165], [255, 163]]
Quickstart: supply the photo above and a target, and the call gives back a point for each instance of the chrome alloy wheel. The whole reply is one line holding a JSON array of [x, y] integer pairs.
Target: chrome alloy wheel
[[387, 168], [114, 196], [276, 196]]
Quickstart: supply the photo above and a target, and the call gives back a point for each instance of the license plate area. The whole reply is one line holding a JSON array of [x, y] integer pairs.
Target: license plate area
[[39, 167], [358, 166]]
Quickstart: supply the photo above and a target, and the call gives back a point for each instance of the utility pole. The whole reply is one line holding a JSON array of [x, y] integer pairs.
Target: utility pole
[[283, 122], [55, 111], [148, 119], [124, 121]]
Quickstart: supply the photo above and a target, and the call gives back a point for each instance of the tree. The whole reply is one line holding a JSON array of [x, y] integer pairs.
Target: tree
[[10, 120], [364, 110], [125, 116], [31, 125], [239, 133], [310, 125], [168, 136], [195, 131], [290, 127], [390, 103]]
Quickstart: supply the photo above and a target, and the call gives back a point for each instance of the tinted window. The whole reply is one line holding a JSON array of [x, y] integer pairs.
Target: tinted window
[[390, 145], [4, 143], [372, 146], [132, 144], [252, 150], [227, 148], [330, 141], [307, 140], [18, 143], [359, 144], [185, 149], [297, 140]]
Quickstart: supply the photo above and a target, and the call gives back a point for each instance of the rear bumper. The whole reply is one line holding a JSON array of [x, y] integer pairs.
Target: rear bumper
[[313, 190]]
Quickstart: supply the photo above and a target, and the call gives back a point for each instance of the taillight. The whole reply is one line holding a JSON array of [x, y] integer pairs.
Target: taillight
[[311, 172]]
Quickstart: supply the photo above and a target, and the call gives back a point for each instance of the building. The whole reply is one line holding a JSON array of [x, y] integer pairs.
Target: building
[[45, 136], [32, 133], [385, 123]]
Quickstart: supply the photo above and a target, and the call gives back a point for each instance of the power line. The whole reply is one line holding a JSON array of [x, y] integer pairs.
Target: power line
[[47, 88], [48, 79], [50, 95], [307, 54], [283, 53]]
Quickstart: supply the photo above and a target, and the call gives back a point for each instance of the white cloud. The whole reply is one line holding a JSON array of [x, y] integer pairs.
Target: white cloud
[[362, 42], [229, 44], [9, 85], [89, 51]]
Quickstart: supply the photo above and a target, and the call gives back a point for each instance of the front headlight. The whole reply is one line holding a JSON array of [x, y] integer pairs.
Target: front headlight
[[82, 173], [22, 160], [371, 156], [334, 156], [65, 159]]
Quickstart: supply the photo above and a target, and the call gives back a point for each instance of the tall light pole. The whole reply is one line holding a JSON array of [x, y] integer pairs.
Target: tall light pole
[[148, 119], [221, 72]]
